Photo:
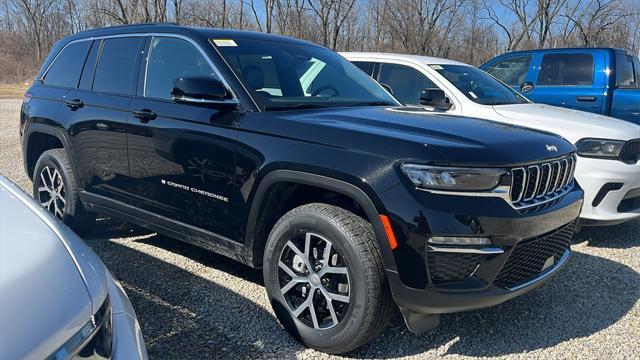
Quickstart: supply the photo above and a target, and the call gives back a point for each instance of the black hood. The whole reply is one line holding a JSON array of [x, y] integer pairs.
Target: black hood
[[459, 140]]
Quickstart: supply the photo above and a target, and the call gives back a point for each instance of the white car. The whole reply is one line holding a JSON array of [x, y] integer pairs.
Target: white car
[[57, 299], [608, 167]]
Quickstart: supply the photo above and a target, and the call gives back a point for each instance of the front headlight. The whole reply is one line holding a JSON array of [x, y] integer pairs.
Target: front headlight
[[600, 148], [453, 179]]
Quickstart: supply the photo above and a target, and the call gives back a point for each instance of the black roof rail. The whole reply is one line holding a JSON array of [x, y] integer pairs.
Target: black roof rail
[[132, 25]]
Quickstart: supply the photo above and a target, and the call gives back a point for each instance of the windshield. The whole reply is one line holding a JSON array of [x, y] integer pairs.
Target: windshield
[[281, 75], [479, 86]]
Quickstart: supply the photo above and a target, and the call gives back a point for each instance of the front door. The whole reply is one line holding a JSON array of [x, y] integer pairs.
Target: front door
[[182, 155]]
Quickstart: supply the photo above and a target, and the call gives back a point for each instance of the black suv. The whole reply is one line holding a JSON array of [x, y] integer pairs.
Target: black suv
[[281, 154]]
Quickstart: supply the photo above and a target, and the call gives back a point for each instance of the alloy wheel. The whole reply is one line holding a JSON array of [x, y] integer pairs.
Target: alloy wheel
[[314, 281], [51, 192]]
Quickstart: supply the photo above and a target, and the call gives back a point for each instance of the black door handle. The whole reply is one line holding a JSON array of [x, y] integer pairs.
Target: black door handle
[[144, 115], [74, 104], [586, 98]]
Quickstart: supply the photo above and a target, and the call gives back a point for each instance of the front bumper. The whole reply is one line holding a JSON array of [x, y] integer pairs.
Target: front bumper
[[127, 336], [593, 175], [527, 249]]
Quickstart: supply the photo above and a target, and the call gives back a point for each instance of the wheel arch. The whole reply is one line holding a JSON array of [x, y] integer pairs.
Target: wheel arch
[[255, 243], [54, 138]]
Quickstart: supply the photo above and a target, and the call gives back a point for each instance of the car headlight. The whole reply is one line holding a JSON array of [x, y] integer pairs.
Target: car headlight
[[452, 178], [602, 148]]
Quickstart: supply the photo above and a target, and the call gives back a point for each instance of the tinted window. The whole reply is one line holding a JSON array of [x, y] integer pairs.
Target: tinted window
[[625, 76], [86, 80], [406, 83], [365, 66], [115, 69], [479, 86], [170, 59], [512, 70], [566, 69], [65, 70], [285, 75]]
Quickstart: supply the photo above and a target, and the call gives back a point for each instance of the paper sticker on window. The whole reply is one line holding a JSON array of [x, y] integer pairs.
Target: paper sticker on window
[[224, 42], [436, 67], [473, 95]]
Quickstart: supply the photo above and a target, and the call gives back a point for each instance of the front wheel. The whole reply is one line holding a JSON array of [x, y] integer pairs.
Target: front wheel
[[325, 279]]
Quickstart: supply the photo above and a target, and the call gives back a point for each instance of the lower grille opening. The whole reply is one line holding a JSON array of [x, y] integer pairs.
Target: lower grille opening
[[606, 188], [445, 268], [528, 259]]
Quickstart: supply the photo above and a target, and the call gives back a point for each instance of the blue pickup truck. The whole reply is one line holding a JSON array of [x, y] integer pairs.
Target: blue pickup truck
[[599, 80]]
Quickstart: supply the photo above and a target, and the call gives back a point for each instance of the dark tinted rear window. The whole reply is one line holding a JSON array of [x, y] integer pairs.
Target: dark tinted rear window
[[566, 69], [364, 66], [65, 70], [116, 66]]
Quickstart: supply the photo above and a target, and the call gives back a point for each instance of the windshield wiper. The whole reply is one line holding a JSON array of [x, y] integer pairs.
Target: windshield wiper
[[295, 107], [371, 103]]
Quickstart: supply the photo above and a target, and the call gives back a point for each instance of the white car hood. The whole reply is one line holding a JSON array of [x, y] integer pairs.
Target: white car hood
[[573, 125]]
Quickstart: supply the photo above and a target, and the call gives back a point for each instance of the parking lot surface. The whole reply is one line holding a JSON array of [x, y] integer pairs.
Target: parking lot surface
[[193, 304]]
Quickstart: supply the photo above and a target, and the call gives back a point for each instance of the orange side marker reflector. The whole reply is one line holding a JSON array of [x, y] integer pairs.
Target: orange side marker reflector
[[390, 235]]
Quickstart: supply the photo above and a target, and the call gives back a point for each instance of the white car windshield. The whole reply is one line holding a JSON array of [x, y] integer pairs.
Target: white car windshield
[[479, 86]]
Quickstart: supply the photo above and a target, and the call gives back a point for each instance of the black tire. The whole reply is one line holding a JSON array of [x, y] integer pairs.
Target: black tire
[[72, 211], [370, 306]]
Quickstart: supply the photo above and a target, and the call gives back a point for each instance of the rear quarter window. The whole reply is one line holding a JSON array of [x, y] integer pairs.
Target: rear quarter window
[[66, 68], [566, 69]]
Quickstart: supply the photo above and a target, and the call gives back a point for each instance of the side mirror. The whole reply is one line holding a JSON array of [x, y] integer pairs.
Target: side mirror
[[387, 87], [526, 86], [200, 90], [435, 98]]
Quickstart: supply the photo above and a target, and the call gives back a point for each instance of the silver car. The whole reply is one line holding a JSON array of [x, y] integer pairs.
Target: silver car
[[57, 299]]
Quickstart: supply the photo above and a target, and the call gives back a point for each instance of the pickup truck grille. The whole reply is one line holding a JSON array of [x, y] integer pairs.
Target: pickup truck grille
[[630, 153], [533, 184]]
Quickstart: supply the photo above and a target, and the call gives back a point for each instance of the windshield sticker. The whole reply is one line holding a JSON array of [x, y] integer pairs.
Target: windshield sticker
[[436, 67], [473, 95], [224, 42]]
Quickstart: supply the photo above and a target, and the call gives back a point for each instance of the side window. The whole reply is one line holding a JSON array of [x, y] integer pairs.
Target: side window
[[636, 67], [116, 66], [625, 76], [170, 59], [65, 70], [566, 69], [511, 71], [407, 83], [365, 66]]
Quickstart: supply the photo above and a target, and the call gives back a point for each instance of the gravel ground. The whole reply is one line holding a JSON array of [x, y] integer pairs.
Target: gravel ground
[[193, 304]]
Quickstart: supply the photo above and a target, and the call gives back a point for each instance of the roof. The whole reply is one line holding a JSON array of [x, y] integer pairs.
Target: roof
[[410, 58], [616, 50], [173, 28]]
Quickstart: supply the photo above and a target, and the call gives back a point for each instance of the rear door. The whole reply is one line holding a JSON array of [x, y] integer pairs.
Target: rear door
[[97, 111], [626, 96], [182, 155], [569, 79]]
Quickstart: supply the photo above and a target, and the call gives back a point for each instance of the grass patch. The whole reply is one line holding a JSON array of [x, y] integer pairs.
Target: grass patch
[[12, 91]]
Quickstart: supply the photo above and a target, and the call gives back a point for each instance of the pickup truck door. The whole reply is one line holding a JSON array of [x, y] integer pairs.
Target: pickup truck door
[[626, 96], [571, 79], [182, 154]]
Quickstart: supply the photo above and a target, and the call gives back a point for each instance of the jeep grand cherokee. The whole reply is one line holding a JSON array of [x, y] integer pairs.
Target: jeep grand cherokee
[[283, 155]]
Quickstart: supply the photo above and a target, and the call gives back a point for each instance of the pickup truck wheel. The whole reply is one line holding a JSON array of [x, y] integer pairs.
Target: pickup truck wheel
[[55, 188], [325, 279]]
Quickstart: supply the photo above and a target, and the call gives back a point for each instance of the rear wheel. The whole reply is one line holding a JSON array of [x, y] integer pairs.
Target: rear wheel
[[55, 188], [325, 279]]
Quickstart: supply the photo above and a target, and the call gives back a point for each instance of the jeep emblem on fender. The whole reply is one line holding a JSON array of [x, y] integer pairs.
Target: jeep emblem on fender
[[552, 148]]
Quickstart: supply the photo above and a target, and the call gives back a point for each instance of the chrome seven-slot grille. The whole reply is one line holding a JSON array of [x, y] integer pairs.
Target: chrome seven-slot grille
[[540, 182]]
